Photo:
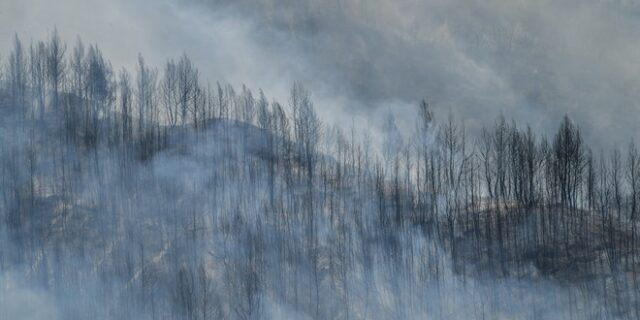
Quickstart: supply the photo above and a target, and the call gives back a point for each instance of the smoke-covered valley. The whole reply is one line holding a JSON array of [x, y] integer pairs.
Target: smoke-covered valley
[[162, 187]]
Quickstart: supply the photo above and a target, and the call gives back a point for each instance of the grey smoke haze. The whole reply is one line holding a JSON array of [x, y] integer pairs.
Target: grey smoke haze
[[531, 60], [235, 219]]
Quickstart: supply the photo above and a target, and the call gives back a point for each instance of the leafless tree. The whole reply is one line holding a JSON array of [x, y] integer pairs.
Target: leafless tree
[[17, 74], [56, 66]]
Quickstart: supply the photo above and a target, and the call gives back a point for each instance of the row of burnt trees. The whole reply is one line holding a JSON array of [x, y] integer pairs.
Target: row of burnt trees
[[510, 167], [519, 168], [82, 88], [97, 105], [513, 164]]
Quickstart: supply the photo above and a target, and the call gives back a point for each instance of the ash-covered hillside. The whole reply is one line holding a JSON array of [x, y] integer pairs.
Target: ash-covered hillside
[[153, 194]]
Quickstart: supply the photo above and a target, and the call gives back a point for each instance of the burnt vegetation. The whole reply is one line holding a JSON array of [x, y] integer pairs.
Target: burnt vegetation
[[152, 194]]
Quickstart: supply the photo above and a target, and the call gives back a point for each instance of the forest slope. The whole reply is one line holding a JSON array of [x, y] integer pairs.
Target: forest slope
[[162, 198]]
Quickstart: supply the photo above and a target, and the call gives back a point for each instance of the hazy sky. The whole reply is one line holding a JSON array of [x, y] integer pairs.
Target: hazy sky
[[532, 60]]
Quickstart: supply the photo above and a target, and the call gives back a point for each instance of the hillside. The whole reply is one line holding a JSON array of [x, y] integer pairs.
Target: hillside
[[161, 198]]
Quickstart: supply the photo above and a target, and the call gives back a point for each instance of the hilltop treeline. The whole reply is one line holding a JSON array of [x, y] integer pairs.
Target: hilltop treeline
[[154, 194]]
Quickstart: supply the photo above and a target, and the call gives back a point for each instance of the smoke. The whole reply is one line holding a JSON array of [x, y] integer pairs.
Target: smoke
[[19, 301], [362, 60], [531, 60]]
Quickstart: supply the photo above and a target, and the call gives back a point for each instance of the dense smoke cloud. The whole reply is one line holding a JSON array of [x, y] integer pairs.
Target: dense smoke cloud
[[15, 296], [531, 60]]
